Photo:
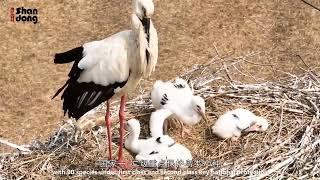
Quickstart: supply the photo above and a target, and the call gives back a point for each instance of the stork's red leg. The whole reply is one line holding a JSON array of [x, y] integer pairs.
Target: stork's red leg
[[121, 119], [121, 162], [108, 124]]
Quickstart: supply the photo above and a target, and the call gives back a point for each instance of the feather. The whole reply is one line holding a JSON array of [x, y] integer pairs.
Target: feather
[[75, 54], [80, 98]]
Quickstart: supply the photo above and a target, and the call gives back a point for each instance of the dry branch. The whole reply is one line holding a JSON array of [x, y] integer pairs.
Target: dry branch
[[15, 146]]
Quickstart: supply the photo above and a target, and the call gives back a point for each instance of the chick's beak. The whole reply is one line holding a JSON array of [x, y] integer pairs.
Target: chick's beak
[[203, 115], [126, 126], [252, 128]]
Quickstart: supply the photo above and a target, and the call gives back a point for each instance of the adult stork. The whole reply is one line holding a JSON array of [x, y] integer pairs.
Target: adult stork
[[110, 68]]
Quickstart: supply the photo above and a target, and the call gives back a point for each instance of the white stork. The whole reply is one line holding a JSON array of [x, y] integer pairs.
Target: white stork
[[136, 145], [175, 98], [110, 68], [175, 152], [233, 123], [158, 148]]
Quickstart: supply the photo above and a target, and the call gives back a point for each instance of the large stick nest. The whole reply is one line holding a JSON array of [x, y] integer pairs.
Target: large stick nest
[[290, 148]]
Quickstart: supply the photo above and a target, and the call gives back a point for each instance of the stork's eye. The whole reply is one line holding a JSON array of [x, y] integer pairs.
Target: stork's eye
[[234, 115], [198, 107], [259, 126]]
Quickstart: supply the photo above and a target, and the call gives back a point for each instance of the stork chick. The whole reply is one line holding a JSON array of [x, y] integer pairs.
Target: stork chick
[[176, 99], [136, 145], [233, 123], [164, 149], [174, 152]]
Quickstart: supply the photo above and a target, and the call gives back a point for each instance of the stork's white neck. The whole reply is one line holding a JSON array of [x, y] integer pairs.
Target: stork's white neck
[[157, 119], [137, 47], [144, 66]]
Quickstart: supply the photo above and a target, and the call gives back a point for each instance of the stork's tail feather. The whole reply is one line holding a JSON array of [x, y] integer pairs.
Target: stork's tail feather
[[79, 98], [75, 54]]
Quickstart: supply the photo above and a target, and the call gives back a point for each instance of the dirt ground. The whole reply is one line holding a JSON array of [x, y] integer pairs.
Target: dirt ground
[[188, 30]]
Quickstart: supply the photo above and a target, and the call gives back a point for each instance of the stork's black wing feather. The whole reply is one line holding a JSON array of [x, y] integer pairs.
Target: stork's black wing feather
[[179, 86], [75, 54], [79, 98], [164, 99]]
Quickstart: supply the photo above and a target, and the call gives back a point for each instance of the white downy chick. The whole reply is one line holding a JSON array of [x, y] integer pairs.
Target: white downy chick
[[175, 152], [233, 123], [177, 98], [136, 145]]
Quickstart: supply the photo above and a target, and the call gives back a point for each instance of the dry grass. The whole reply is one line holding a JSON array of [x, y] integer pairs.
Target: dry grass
[[290, 148]]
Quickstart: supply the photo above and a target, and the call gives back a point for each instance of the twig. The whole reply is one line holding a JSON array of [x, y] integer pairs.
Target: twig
[[315, 108], [227, 73], [314, 75], [311, 5], [306, 136], [15, 146], [257, 64], [216, 49], [281, 119]]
